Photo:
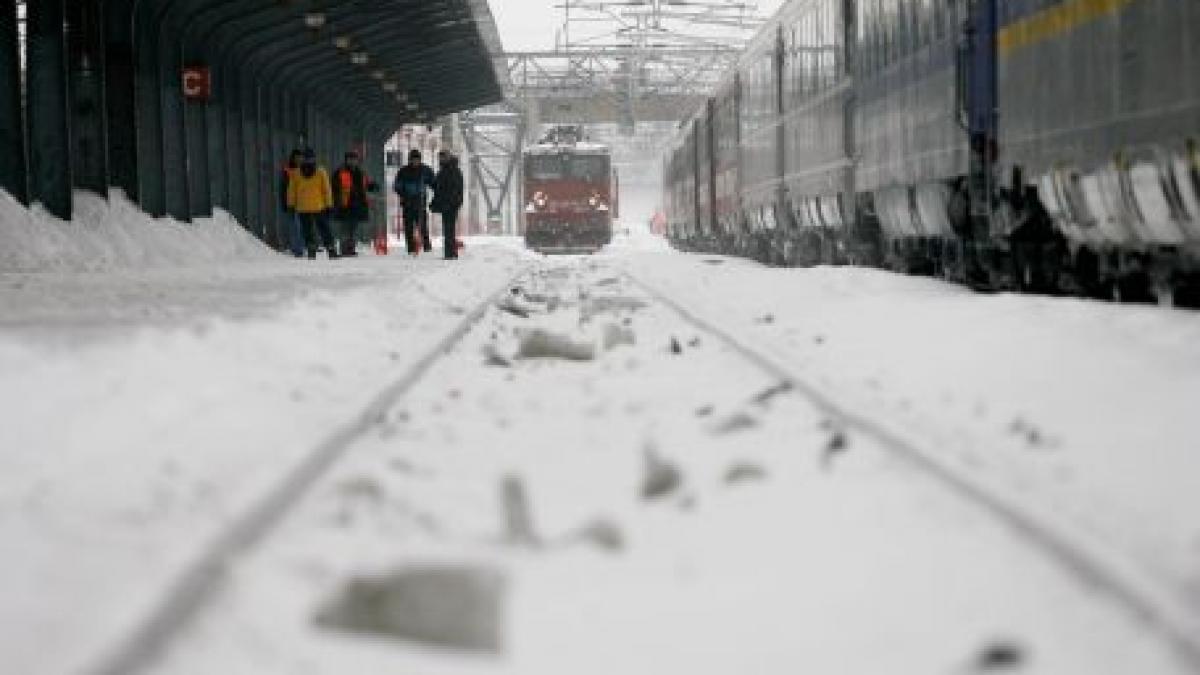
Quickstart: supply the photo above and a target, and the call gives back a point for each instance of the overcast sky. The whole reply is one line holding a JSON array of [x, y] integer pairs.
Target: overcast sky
[[532, 24]]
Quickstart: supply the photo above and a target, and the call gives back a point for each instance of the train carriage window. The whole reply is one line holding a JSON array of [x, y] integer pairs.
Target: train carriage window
[[863, 43], [908, 23], [809, 79], [899, 30], [819, 47], [839, 43], [831, 46], [890, 35], [822, 42], [883, 44], [925, 22], [870, 36], [814, 53]]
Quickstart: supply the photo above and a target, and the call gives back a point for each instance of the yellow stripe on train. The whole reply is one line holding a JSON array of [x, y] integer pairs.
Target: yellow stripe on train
[[1052, 22]]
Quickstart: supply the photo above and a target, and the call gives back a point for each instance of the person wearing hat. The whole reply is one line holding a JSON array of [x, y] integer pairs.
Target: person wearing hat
[[448, 199], [350, 206], [412, 187], [311, 197]]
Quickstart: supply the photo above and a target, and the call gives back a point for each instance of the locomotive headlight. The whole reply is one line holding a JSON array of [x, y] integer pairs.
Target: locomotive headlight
[[594, 201]]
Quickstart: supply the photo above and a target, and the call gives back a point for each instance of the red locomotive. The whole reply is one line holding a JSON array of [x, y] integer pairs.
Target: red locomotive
[[569, 193]]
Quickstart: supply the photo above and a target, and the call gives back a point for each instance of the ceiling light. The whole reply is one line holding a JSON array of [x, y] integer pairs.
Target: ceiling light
[[390, 87], [314, 20], [378, 74], [359, 58], [342, 42]]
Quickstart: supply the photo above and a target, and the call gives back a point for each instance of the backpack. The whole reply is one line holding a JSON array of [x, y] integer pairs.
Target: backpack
[[412, 183]]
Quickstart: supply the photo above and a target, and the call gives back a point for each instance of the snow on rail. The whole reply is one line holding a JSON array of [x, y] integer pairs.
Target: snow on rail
[[1096, 560]]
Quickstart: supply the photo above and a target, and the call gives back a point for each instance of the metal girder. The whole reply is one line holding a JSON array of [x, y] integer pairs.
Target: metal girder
[[495, 138], [622, 85], [13, 173]]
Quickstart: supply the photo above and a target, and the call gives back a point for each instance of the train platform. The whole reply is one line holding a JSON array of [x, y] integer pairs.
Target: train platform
[[640, 461]]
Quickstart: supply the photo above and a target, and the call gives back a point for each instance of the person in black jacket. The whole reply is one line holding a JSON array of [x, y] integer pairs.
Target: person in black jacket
[[448, 199], [412, 187], [294, 233], [350, 205]]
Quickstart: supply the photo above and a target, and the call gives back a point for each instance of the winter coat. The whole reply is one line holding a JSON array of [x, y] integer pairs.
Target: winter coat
[[412, 183], [310, 193], [448, 188], [350, 188]]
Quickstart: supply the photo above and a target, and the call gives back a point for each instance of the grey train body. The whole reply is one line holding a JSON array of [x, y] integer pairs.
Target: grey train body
[[1045, 145]]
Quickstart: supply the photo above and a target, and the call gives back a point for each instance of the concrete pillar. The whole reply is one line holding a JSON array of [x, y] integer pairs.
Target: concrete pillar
[[49, 130], [14, 177], [89, 138], [120, 100]]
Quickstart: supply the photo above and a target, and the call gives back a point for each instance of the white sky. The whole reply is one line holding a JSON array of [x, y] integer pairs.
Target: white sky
[[532, 24]]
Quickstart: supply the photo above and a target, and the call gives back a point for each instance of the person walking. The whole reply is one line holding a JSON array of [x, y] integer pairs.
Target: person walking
[[411, 186], [310, 195], [351, 208], [448, 199], [295, 236]]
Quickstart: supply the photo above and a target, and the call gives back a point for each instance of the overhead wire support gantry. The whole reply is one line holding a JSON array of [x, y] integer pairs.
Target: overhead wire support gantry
[[623, 69]]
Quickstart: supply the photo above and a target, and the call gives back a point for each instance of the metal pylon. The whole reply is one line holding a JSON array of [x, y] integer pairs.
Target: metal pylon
[[495, 137]]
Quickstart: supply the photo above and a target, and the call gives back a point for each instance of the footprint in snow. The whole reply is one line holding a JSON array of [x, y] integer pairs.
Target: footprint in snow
[[660, 477], [744, 472]]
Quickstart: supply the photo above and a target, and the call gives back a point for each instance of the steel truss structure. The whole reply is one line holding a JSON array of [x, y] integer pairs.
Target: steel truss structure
[[494, 137], [631, 66]]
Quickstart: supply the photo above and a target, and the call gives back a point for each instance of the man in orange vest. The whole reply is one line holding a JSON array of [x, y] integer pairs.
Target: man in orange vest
[[350, 206]]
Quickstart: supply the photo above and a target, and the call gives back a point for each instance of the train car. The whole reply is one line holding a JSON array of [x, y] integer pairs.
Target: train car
[[569, 193], [1046, 145]]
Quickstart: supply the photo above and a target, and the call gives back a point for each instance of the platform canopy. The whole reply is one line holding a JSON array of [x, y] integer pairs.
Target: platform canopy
[[191, 104]]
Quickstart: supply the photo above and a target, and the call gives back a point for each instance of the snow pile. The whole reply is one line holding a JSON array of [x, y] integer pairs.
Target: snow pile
[[115, 234]]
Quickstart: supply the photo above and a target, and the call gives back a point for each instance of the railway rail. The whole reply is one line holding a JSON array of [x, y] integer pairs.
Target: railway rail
[[192, 589], [1098, 563], [1081, 556]]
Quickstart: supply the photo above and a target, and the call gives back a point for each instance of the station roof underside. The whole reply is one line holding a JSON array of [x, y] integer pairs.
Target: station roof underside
[[435, 57]]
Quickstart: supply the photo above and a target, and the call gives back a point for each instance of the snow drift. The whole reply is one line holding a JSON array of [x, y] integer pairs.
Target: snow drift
[[116, 234]]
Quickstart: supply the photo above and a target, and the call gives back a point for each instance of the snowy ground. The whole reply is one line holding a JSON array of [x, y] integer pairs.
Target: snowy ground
[[1082, 408], [662, 507], [144, 409]]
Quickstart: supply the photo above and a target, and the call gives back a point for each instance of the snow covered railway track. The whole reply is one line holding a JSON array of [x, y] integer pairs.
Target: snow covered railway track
[[196, 585], [1112, 572]]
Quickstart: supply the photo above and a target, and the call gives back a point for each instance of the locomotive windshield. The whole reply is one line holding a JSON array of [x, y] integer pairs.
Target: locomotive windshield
[[590, 168]]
